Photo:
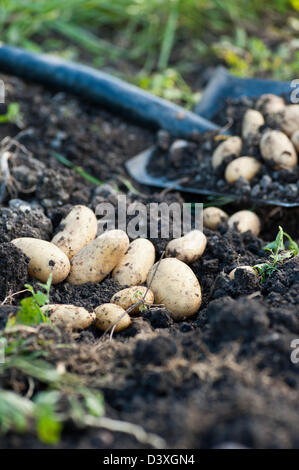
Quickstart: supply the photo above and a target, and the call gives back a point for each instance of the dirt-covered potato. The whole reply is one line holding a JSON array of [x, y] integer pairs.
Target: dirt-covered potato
[[213, 217], [270, 104], [295, 140], [249, 269], [247, 167], [252, 121], [231, 146], [188, 248], [276, 146], [45, 259], [288, 119], [97, 259], [244, 221], [125, 298], [70, 316], [76, 230], [133, 268], [175, 285], [108, 314]]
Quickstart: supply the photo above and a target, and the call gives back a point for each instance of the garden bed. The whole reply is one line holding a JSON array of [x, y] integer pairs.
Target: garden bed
[[222, 376]]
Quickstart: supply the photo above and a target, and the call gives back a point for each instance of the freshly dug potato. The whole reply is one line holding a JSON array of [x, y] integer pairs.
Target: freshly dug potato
[[276, 146], [133, 268], [175, 285], [270, 104], [78, 228], [246, 268], [188, 248], [213, 217], [247, 167], [70, 316], [45, 259], [295, 140], [125, 298], [245, 220], [97, 259], [230, 147], [252, 121], [288, 119], [108, 314]]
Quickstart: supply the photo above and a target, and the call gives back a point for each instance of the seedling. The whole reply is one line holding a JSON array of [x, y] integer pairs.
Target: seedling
[[13, 115], [278, 254], [30, 311]]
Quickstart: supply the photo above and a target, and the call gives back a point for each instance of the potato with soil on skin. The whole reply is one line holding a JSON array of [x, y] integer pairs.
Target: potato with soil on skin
[[270, 104], [288, 119], [108, 314], [97, 259], [78, 228], [252, 121], [249, 269], [175, 285], [133, 268], [188, 248], [295, 140], [231, 146], [245, 220], [126, 298], [45, 259], [69, 316], [276, 146], [213, 217], [247, 167]]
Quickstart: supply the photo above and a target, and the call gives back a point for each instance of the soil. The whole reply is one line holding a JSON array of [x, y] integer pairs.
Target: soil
[[223, 375], [190, 165]]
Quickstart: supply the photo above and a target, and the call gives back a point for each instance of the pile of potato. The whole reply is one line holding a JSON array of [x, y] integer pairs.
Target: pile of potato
[[280, 146], [78, 256]]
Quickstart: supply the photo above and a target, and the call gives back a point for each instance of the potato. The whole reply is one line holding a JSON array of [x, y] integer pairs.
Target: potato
[[249, 269], [108, 314], [230, 147], [133, 268], [78, 228], [247, 167], [295, 140], [213, 217], [288, 119], [270, 104], [188, 248], [45, 259], [70, 316], [175, 285], [276, 146], [252, 121], [97, 259], [125, 298], [245, 220]]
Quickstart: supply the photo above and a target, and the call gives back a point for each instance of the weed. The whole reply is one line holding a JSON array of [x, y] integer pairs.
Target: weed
[[30, 311], [278, 254], [13, 115]]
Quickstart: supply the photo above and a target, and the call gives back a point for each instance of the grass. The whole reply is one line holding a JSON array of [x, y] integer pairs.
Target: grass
[[154, 42]]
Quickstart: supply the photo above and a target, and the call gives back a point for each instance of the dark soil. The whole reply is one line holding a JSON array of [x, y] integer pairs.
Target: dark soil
[[191, 165], [225, 374]]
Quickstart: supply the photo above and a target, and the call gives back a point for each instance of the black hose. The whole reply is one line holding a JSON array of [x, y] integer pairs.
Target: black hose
[[103, 89]]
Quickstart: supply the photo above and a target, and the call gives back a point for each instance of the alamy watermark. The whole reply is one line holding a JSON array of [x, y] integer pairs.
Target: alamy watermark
[[295, 353], [2, 92], [3, 344], [294, 96], [154, 220]]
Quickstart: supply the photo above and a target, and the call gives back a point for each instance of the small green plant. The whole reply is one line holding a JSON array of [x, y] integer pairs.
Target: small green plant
[[13, 115], [278, 254], [138, 296], [30, 311]]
